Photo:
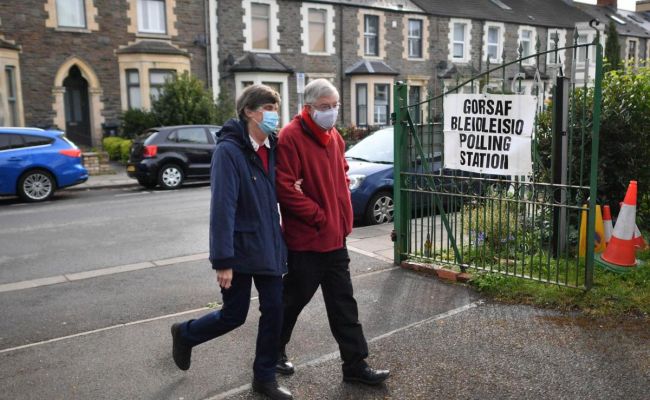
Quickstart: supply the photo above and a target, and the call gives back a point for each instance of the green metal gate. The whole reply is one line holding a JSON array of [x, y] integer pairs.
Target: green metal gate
[[521, 226]]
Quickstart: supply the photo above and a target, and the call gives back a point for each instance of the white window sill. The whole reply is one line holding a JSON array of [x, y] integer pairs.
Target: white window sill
[[71, 29], [319, 54], [416, 59], [151, 35]]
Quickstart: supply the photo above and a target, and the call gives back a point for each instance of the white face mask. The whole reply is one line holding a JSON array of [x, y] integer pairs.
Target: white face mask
[[326, 119]]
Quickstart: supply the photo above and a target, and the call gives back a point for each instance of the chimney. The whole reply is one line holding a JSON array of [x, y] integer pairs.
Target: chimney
[[612, 3]]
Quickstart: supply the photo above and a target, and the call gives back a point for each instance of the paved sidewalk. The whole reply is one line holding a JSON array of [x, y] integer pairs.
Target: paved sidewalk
[[118, 179]]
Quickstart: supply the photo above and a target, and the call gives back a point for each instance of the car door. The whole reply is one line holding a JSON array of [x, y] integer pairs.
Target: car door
[[12, 161], [197, 147]]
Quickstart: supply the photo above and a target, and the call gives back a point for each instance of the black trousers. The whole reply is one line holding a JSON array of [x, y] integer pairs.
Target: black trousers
[[330, 270], [236, 301]]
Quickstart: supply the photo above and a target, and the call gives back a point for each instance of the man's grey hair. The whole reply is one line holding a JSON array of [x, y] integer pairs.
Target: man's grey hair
[[319, 88]]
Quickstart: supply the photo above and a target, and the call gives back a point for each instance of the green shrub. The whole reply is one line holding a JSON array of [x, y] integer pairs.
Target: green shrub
[[117, 148], [125, 148], [624, 139], [135, 121], [112, 146], [184, 100]]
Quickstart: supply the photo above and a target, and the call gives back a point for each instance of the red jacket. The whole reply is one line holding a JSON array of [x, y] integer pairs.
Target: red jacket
[[319, 218]]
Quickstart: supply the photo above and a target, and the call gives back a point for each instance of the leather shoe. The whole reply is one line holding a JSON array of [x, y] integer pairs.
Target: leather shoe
[[367, 375], [181, 352], [272, 390], [284, 366]]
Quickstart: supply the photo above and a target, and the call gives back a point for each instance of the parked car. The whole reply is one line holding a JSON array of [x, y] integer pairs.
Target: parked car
[[34, 163], [371, 178], [168, 156]]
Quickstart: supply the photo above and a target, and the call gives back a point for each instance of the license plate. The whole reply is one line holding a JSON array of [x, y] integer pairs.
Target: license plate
[[130, 168]]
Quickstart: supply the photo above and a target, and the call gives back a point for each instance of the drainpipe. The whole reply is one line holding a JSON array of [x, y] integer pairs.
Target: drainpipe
[[213, 48]]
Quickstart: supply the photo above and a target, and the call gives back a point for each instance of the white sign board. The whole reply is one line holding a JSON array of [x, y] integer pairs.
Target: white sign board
[[300, 82], [489, 134]]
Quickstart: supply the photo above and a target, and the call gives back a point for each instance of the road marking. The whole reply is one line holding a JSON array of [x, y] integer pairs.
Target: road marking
[[77, 276], [334, 355], [370, 254]]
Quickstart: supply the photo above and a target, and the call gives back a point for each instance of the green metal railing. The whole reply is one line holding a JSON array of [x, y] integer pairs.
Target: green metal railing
[[505, 224]]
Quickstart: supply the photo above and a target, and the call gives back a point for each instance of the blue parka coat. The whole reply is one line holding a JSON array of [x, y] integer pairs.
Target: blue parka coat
[[245, 232]]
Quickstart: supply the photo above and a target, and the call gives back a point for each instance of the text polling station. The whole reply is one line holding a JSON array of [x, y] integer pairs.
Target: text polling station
[[489, 134]]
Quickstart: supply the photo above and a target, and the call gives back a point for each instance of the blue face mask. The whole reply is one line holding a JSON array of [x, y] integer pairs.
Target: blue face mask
[[269, 122]]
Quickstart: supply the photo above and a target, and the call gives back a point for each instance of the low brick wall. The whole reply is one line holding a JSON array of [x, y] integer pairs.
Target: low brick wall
[[96, 163]]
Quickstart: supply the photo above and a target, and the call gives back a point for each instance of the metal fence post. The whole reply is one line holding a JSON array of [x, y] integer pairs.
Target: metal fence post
[[560, 161], [401, 218], [593, 181]]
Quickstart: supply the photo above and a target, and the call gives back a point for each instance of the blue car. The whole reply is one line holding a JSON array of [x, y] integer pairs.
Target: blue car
[[371, 177], [34, 163]]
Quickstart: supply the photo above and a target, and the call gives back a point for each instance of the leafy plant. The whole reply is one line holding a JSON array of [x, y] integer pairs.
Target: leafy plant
[[612, 48], [136, 121], [184, 100]]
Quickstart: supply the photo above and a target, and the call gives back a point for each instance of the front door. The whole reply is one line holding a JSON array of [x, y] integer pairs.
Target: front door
[[77, 116]]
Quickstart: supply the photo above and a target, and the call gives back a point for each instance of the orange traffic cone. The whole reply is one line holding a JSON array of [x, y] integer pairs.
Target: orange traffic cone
[[607, 221], [620, 254], [639, 242], [638, 239]]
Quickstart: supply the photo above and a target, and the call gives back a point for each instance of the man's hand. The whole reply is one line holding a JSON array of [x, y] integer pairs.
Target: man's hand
[[224, 278], [298, 185]]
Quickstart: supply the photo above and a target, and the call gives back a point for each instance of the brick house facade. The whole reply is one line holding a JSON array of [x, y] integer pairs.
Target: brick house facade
[[73, 56]]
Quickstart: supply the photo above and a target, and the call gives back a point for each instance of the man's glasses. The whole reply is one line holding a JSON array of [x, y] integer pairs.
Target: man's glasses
[[325, 107]]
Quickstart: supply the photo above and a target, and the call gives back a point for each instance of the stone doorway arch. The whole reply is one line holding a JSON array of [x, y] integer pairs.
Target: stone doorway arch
[[95, 104]]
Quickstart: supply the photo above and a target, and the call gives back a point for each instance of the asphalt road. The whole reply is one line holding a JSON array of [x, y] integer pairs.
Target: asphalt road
[[111, 270]]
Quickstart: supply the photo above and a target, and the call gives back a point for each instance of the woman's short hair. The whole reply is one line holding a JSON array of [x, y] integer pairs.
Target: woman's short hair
[[254, 97], [319, 88]]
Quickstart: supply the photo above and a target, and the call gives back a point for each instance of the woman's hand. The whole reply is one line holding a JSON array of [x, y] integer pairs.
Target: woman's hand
[[224, 278], [298, 185]]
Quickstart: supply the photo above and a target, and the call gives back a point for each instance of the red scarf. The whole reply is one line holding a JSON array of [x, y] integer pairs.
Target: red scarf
[[322, 135]]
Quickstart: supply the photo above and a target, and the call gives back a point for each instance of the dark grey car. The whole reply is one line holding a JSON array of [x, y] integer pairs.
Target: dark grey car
[[168, 156]]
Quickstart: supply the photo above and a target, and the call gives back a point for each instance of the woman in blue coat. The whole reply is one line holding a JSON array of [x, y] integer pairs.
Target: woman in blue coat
[[246, 243]]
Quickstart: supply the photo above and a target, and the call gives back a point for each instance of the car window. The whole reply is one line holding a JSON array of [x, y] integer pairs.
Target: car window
[[10, 141], [377, 147], [191, 135], [32, 140], [172, 137]]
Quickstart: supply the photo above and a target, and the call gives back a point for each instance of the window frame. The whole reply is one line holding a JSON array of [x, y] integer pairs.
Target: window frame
[[82, 9], [499, 44], [12, 94], [267, 19], [369, 35], [140, 12], [416, 117], [358, 106], [531, 42], [635, 56], [466, 42], [130, 85], [385, 106], [329, 26], [273, 23], [157, 86], [420, 39], [323, 12], [561, 54]]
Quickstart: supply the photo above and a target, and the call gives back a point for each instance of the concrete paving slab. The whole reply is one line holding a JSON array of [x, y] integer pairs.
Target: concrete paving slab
[[134, 361]]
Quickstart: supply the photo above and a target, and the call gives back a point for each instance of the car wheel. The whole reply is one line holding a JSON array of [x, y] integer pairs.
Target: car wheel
[[147, 183], [37, 185], [170, 176], [380, 208]]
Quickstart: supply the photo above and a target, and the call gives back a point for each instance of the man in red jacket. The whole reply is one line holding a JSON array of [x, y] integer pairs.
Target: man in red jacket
[[317, 218]]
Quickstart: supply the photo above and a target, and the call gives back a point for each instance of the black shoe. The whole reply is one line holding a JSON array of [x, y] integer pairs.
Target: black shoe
[[181, 352], [272, 390], [284, 366], [367, 375]]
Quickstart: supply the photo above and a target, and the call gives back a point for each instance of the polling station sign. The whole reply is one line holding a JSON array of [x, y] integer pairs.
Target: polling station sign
[[489, 134]]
